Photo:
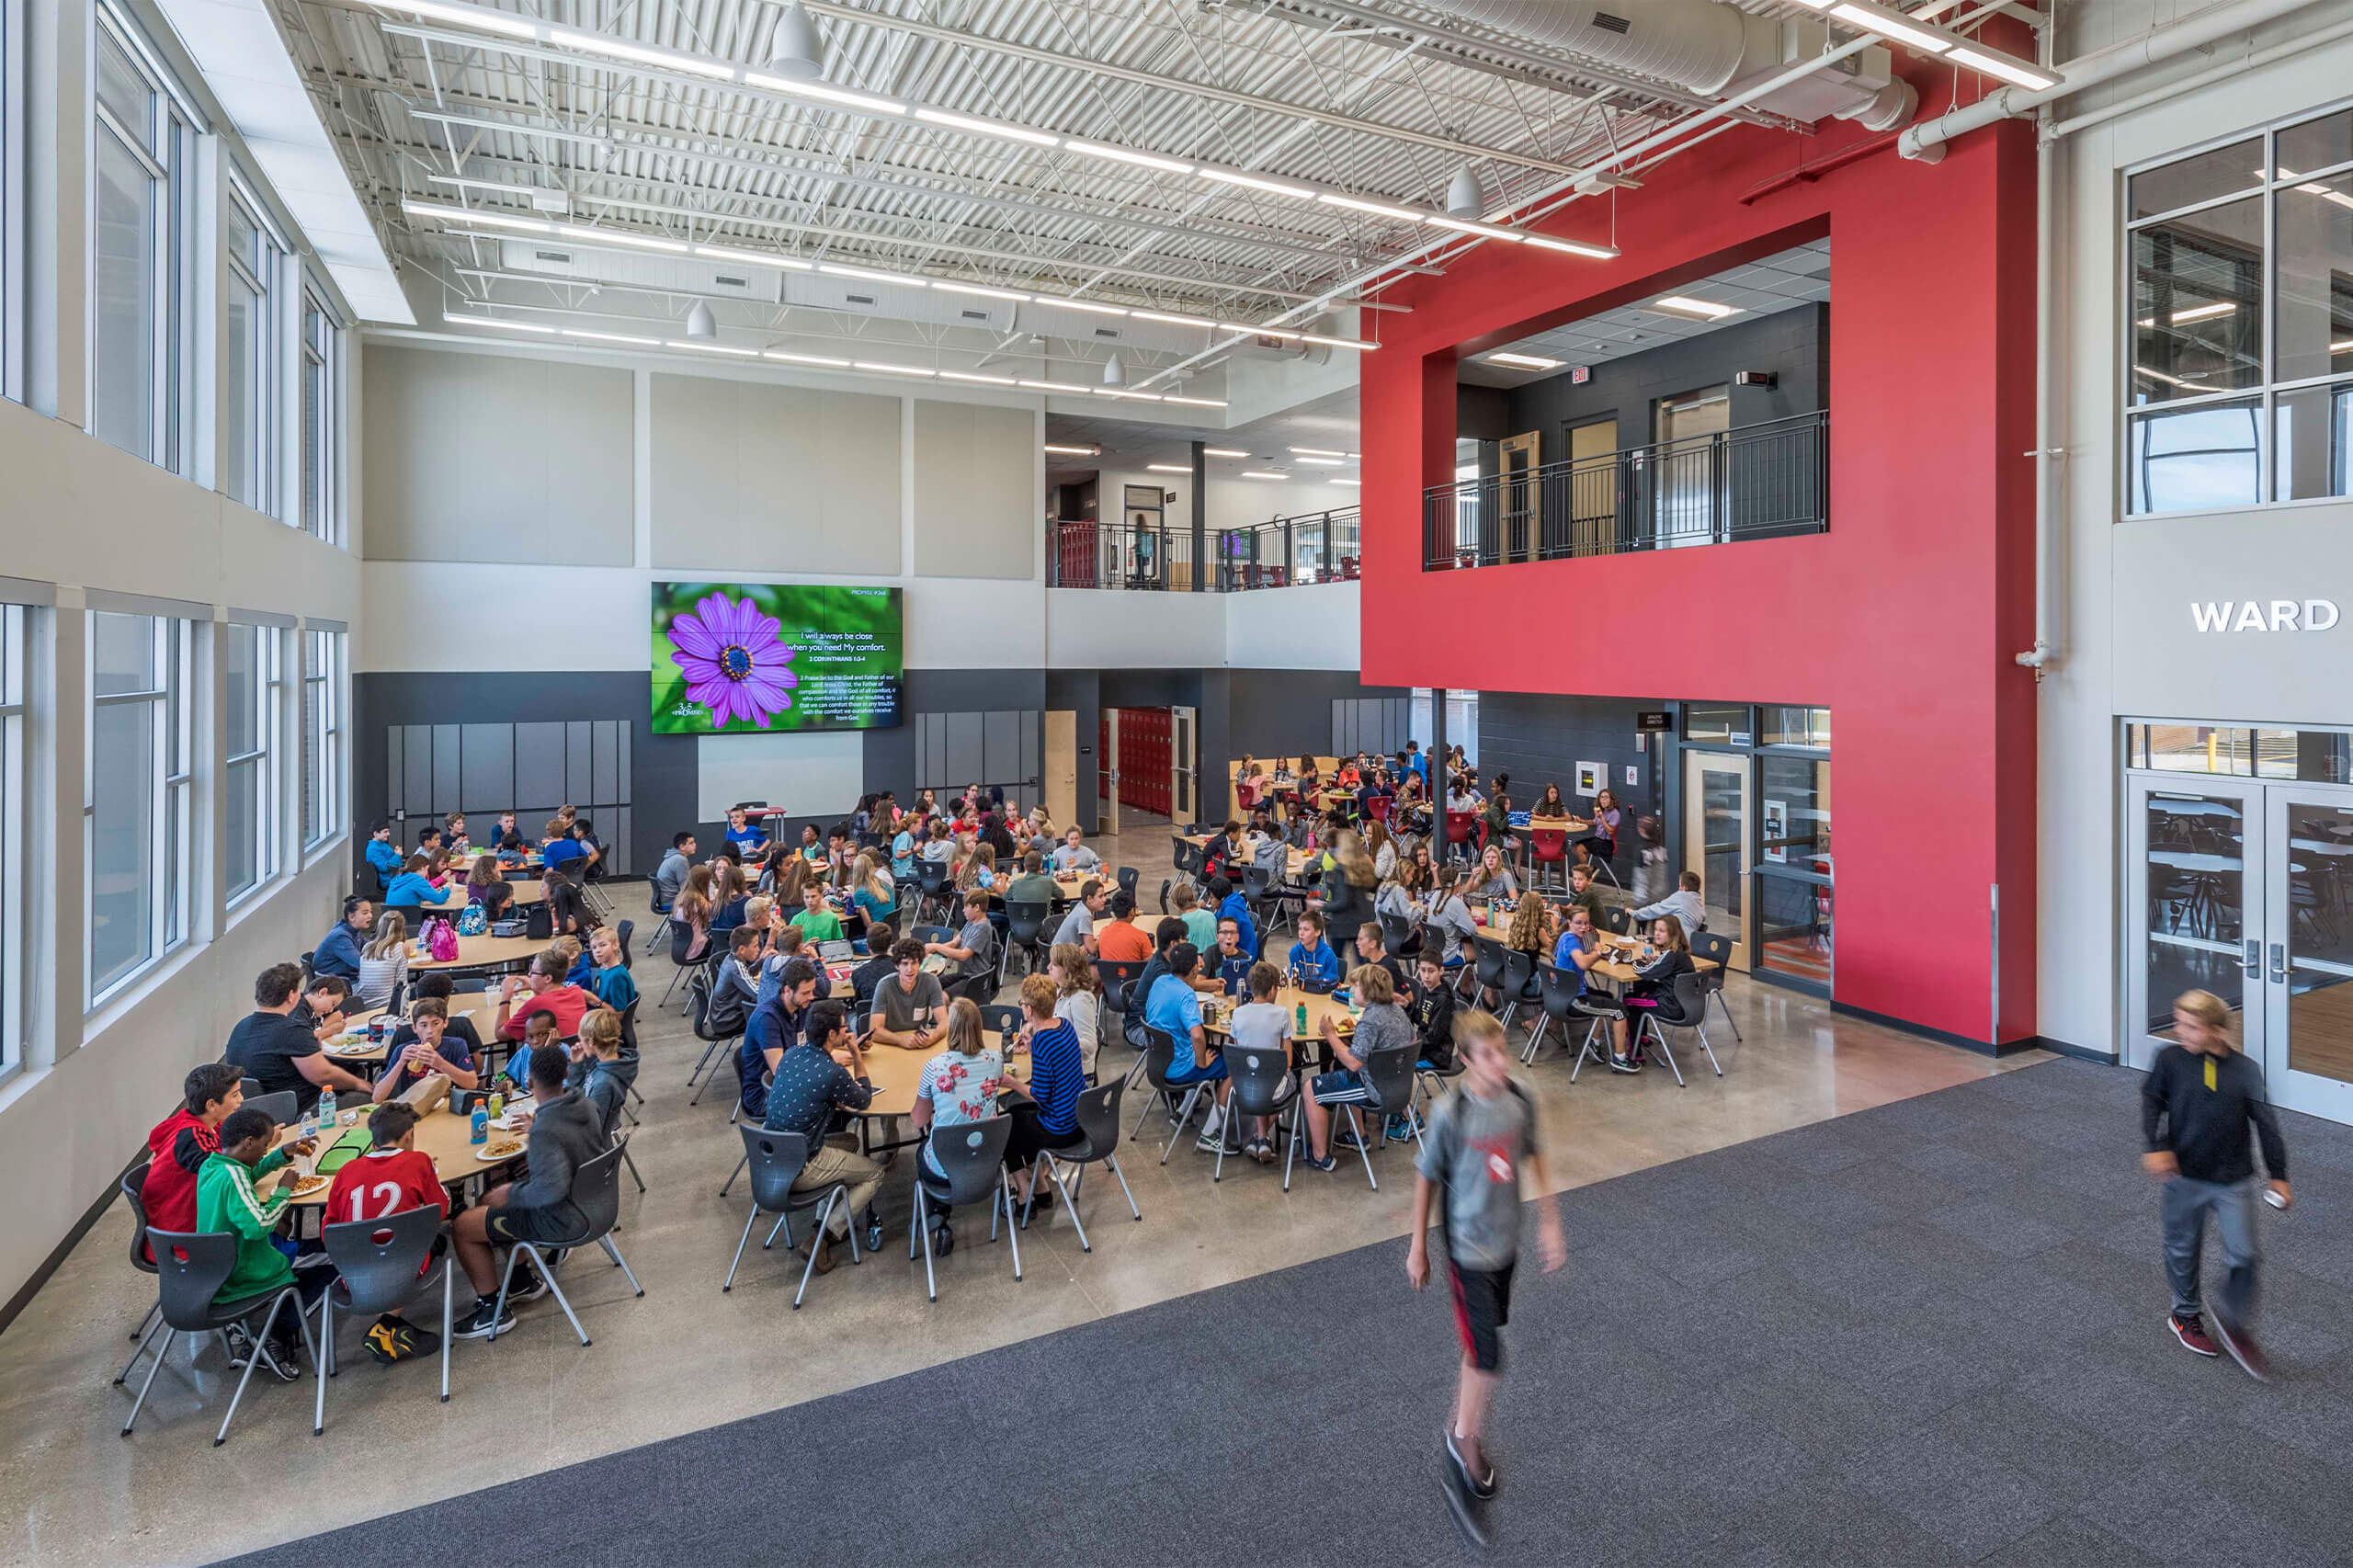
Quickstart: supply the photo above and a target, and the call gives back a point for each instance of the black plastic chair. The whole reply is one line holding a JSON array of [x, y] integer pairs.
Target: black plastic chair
[[1099, 1126], [624, 931], [1025, 925], [381, 1266], [971, 1156], [931, 933], [682, 938], [1004, 1018], [1518, 986], [1617, 918], [1393, 1085], [1689, 1011], [1400, 935], [714, 1043], [1487, 969], [1127, 877], [1159, 1062], [134, 1189], [284, 1107], [1716, 946], [189, 1268], [934, 886], [776, 1160], [596, 1193], [1263, 1083]]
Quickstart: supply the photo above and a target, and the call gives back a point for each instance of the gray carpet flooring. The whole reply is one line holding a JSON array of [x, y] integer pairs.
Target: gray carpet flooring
[[1927, 1334]]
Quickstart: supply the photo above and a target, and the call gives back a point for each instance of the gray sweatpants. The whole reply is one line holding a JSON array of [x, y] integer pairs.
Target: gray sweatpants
[[2186, 1204]]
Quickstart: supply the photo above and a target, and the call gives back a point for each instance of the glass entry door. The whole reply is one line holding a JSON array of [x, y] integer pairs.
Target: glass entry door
[[2308, 949], [2189, 877], [1717, 843]]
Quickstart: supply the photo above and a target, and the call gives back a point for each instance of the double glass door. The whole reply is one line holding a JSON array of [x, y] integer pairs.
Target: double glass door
[[2241, 888]]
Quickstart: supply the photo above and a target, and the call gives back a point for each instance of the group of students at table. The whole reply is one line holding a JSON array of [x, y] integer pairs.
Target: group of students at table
[[447, 870]]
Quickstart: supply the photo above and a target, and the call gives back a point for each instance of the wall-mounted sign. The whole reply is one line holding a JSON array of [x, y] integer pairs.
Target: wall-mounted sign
[[1654, 719], [2262, 614], [1580, 375]]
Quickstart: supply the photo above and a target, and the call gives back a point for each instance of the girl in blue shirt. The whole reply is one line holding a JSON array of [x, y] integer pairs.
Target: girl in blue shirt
[[412, 887], [1048, 1119]]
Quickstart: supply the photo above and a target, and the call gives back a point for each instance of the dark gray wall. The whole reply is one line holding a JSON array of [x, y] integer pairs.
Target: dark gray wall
[[1794, 344], [1538, 738], [1482, 413]]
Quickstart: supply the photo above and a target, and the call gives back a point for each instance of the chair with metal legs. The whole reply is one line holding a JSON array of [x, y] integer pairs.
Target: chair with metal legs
[[1262, 1083], [1392, 1075], [189, 1268], [1716, 946], [1518, 986], [1689, 1011], [596, 1193], [1564, 1002], [1159, 1062], [776, 1160], [134, 1189], [970, 1157], [380, 1266], [1098, 1127]]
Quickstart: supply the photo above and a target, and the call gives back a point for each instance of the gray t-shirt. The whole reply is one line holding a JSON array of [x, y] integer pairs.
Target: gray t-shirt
[[1381, 1027], [1472, 1150], [979, 938], [1077, 926], [905, 1011], [1260, 1026]]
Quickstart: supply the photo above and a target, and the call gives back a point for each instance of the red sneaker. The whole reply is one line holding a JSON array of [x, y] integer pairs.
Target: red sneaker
[[2241, 1344], [2191, 1332]]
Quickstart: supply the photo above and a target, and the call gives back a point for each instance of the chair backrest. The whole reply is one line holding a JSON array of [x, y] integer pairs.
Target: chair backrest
[[1519, 972], [1457, 826], [1126, 876], [1098, 1116], [629, 1030], [932, 877], [979, 987], [776, 1161], [597, 1192], [190, 1268], [1491, 959], [1118, 976], [968, 1156], [1377, 808], [1160, 1055], [1617, 917], [1004, 1018], [1712, 945], [654, 897], [283, 1107], [1258, 882], [1257, 1075], [1560, 986], [248, 1088], [134, 1192], [682, 940], [380, 1259], [1397, 930], [1391, 1073], [623, 930], [1190, 857], [1691, 1000], [1023, 920], [931, 933], [1549, 844]]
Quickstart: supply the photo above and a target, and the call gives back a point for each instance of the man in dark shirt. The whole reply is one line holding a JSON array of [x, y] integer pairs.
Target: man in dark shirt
[[274, 1050], [2200, 1101], [823, 1070], [774, 1027], [881, 935]]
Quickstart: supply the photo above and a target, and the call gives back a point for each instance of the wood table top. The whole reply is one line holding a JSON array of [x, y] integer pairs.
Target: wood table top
[[897, 1072], [444, 1137], [487, 952], [481, 1007]]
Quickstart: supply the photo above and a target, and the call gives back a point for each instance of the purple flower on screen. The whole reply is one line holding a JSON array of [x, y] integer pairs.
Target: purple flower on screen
[[735, 664]]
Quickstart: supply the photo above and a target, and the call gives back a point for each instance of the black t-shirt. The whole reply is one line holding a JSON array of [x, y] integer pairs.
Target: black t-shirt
[[265, 1046]]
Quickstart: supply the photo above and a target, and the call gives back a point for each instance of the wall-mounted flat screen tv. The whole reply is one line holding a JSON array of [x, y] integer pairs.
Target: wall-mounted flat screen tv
[[732, 657]]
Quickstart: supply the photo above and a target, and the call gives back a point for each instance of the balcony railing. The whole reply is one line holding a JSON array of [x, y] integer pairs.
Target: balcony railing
[[1314, 547], [1759, 481]]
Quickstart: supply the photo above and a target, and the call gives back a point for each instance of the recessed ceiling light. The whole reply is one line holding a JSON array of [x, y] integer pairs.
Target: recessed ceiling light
[[1318, 452], [1350, 483], [1075, 451], [1261, 473], [1166, 468], [1322, 462], [1705, 310], [1523, 361], [1223, 453]]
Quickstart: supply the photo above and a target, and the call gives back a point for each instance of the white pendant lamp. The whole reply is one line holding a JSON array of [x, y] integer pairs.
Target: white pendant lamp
[[1463, 196], [701, 324], [794, 49], [1114, 373]]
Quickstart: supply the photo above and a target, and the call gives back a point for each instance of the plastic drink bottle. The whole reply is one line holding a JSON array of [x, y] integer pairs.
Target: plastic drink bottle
[[482, 1123], [326, 1108]]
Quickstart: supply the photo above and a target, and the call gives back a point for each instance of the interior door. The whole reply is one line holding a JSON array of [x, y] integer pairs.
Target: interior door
[[1717, 842], [1107, 820], [2191, 888], [1061, 767], [1184, 769], [2307, 1017], [1593, 487], [1522, 521], [1686, 480]]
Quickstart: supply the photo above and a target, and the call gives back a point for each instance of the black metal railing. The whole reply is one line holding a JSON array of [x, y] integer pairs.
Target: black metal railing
[[1313, 547], [1759, 481]]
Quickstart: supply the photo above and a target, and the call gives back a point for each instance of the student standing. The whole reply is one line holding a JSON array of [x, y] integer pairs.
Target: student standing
[[2204, 1108], [1481, 1139]]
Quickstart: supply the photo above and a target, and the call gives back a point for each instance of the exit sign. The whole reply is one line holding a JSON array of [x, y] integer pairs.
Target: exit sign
[[1580, 375]]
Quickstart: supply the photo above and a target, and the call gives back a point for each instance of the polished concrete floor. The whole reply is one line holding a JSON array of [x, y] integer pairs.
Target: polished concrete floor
[[685, 1357]]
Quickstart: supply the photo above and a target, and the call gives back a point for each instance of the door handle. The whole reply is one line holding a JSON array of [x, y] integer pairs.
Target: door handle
[[2279, 963], [2254, 962]]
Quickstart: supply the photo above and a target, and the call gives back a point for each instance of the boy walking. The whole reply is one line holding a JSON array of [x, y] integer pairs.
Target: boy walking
[[2200, 1101], [1480, 1140]]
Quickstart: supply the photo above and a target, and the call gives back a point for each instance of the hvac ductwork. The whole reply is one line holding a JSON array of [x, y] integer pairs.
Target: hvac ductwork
[[1708, 48]]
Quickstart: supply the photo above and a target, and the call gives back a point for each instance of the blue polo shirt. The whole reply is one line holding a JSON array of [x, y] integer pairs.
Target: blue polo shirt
[[562, 851]]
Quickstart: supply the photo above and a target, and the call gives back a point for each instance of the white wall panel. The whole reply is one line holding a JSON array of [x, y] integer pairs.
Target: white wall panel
[[753, 477], [977, 482], [1093, 629], [820, 774], [1316, 627]]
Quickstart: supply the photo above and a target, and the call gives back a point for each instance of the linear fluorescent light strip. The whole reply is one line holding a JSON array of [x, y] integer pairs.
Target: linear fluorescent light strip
[[1916, 33], [1166, 468], [1324, 462], [1351, 483], [1075, 451], [2195, 312], [472, 320], [1217, 451], [1523, 361], [578, 41], [1260, 473], [1684, 305], [1318, 452]]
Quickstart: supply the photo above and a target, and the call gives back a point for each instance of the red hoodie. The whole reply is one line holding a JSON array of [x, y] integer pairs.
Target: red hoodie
[[176, 1150]]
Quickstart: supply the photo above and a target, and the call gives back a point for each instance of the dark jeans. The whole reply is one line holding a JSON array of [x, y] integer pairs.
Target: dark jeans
[[2186, 1204]]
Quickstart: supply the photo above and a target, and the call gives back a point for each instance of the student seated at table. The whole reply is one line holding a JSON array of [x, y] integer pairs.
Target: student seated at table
[[910, 1007], [1232, 960], [1174, 1006], [1200, 925], [822, 1072], [425, 1047], [736, 991], [1583, 893], [1311, 963], [609, 979], [973, 950], [771, 1031], [1077, 928], [559, 847], [1577, 950], [939, 847], [1493, 878], [1261, 1023], [1033, 886], [1451, 917], [1550, 805], [412, 887], [227, 1203], [390, 1179], [384, 962], [817, 923], [1223, 856], [460, 1028], [882, 937], [911, 834], [1654, 977], [1381, 1026], [1227, 901], [337, 952], [1430, 1009], [874, 892], [958, 1086], [1684, 904], [729, 896], [325, 1001], [811, 848], [671, 875], [1048, 1117], [1164, 936], [279, 1053], [597, 1070], [1349, 885], [1078, 993], [1371, 949], [542, 990], [487, 886], [786, 943], [512, 853], [539, 1037], [1073, 857], [1400, 897], [744, 834], [383, 854], [178, 1145], [1119, 939], [565, 1134]]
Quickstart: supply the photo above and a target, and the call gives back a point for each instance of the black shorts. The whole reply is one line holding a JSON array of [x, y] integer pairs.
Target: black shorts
[[557, 1224], [1481, 1306]]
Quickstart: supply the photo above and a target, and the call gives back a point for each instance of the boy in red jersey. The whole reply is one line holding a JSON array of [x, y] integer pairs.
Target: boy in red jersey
[[391, 1178]]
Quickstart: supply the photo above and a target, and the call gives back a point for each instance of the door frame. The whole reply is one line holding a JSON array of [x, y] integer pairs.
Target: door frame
[[1184, 765], [2315, 1094], [1058, 765], [1744, 763], [1519, 515], [1109, 813], [2137, 1046]]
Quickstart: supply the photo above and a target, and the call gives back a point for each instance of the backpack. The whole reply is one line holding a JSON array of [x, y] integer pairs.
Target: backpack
[[440, 939], [473, 921], [539, 922]]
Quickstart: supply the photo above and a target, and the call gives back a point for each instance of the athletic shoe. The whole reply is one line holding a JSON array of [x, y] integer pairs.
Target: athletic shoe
[[1624, 1063], [529, 1284], [1328, 1163], [1263, 1152], [280, 1358], [2191, 1332], [1347, 1138], [1483, 1487], [1460, 1501], [2241, 1344], [240, 1341], [485, 1320]]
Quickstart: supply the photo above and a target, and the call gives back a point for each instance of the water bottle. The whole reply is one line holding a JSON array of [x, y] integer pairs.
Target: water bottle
[[482, 1123], [1303, 1017], [326, 1108], [497, 1103], [310, 1126]]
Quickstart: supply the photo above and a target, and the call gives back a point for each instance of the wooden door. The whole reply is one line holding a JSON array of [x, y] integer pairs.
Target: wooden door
[[1060, 778], [1520, 521], [1593, 487]]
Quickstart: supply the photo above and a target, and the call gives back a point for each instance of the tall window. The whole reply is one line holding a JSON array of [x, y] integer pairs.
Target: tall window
[[12, 195], [250, 420], [14, 653], [136, 793], [141, 221], [321, 418], [2241, 328], [323, 735], [251, 659]]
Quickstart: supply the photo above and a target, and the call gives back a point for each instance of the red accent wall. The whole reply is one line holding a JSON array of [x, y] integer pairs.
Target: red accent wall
[[1902, 619]]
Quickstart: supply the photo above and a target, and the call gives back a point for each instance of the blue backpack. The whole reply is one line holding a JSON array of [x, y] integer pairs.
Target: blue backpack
[[473, 921]]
